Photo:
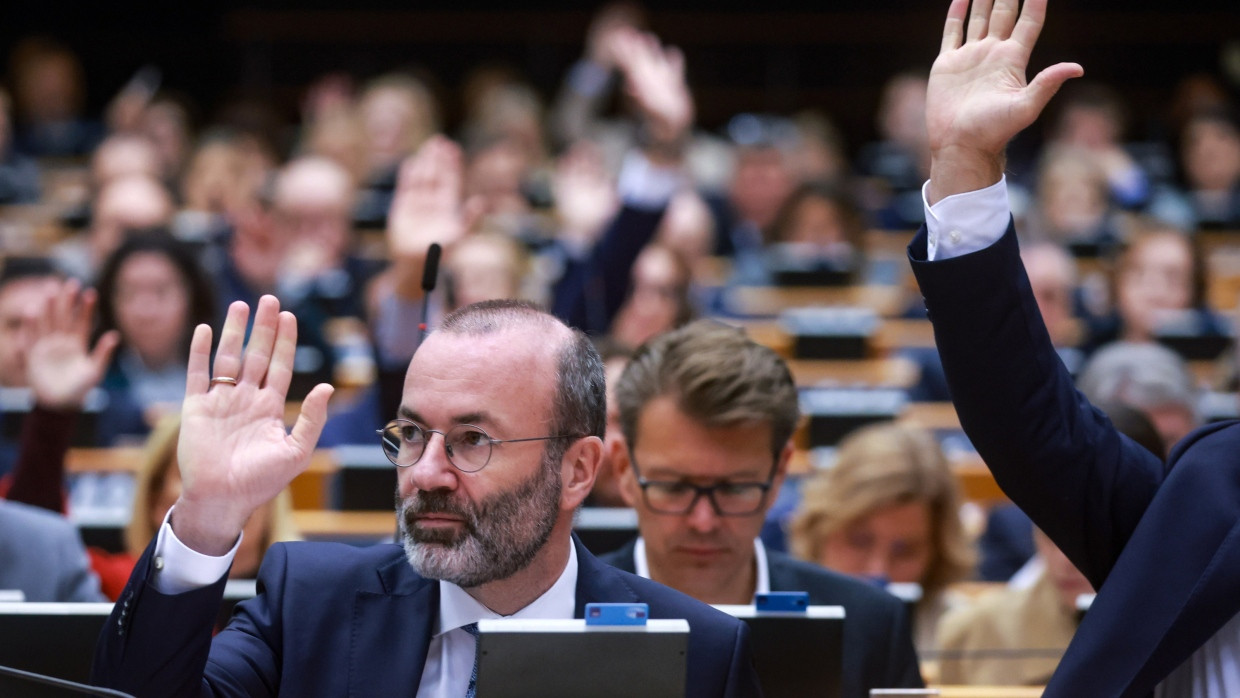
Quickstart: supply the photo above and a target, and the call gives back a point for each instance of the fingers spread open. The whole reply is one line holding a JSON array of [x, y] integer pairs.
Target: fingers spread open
[[262, 339], [313, 416], [198, 375], [1029, 26], [280, 373], [102, 353], [979, 20], [953, 28], [232, 337], [86, 313]]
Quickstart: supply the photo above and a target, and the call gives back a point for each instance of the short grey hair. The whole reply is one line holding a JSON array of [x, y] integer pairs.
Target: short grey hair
[[1141, 375], [579, 407]]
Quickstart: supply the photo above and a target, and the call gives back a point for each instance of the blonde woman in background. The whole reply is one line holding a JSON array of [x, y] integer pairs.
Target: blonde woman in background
[[157, 486], [888, 510]]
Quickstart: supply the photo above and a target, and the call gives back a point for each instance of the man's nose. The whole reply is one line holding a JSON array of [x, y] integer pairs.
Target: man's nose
[[434, 470], [702, 515]]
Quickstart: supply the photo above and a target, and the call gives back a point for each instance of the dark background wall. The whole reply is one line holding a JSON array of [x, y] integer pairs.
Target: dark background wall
[[756, 56]]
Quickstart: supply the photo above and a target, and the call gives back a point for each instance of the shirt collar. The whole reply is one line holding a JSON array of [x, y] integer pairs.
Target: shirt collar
[[458, 608], [762, 583]]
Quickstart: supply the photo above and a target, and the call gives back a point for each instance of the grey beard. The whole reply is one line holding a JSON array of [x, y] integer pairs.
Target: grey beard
[[500, 537]]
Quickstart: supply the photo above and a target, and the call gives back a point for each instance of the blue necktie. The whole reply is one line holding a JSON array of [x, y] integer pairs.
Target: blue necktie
[[470, 692]]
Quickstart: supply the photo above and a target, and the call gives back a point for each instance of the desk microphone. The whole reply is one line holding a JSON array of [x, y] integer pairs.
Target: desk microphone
[[430, 272]]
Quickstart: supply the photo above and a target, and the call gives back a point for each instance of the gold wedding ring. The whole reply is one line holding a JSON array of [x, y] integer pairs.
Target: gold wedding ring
[[223, 379]]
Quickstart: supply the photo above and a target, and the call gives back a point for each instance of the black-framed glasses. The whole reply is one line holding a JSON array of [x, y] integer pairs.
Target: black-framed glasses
[[468, 447], [726, 498]]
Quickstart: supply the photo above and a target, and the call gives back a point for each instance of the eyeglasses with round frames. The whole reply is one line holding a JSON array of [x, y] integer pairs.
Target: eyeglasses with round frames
[[468, 447], [726, 498]]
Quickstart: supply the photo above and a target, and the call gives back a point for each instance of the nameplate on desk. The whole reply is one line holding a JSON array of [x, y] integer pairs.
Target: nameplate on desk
[[830, 333], [835, 412]]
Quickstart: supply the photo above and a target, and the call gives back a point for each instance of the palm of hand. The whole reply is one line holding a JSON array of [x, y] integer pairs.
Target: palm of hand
[[422, 217], [977, 96], [237, 434], [60, 371]]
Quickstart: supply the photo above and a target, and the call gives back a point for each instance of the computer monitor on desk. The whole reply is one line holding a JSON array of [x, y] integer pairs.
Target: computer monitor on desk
[[567, 658], [797, 653], [55, 639]]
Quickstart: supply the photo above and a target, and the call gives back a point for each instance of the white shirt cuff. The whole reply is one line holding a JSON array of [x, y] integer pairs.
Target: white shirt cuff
[[179, 569], [968, 222], [645, 185]]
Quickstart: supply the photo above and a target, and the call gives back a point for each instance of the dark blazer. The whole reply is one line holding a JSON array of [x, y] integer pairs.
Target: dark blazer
[[1160, 542], [878, 642], [336, 620]]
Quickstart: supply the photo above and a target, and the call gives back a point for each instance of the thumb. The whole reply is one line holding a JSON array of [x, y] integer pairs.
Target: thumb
[[309, 425], [1047, 83], [102, 353]]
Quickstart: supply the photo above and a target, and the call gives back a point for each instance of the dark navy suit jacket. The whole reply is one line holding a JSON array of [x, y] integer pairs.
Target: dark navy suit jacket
[[878, 642], [1161, 543], [336, 620]]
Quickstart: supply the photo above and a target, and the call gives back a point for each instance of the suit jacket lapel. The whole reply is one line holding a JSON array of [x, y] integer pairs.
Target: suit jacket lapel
[[391, 632], [597, 582]]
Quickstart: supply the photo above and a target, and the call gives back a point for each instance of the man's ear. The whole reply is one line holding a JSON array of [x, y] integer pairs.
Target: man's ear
[[578, 469], [625, 474]]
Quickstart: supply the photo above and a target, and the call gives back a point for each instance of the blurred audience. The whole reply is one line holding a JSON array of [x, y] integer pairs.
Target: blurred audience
[[888, 511], [153, 292], [1016, 636]]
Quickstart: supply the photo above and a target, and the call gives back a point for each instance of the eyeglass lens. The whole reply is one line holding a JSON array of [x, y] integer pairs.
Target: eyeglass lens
[[727, 498], [468, 447]]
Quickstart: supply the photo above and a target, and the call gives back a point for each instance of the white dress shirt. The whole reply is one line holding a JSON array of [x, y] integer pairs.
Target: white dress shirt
[[968, 222], [450, 657], [762, 583]]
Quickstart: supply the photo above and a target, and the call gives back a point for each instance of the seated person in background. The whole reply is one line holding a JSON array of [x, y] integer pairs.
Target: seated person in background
[[820, 223], [658, 298], [49, 90], [899, 163], [126, 203], [1015, 636], [19, 175], [25, 286], [153, 291], [1149, 378], [1159, 284], [1073, 202], [888, 511], [485, 523], [1210, 150], [708, 417], [1092, 119], [43, 556]]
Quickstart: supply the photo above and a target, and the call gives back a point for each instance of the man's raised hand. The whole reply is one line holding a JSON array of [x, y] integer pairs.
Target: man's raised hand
[[977, 98], [61, 366], [234, 453], [655, 78]]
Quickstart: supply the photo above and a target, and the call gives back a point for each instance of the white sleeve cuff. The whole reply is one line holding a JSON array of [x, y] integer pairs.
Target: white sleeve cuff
[[645, 185], [968, 222], [179, 569]]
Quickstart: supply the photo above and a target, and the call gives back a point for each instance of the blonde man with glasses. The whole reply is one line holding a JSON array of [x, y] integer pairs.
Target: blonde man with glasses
[[708, 417]]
